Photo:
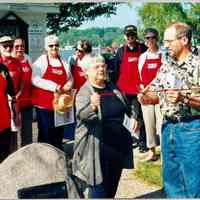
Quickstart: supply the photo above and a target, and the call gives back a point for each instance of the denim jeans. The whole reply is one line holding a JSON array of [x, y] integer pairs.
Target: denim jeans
[[181, 158]]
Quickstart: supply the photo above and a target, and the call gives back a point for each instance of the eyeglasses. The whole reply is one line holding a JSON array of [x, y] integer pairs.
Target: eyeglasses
[[5, 46], [18, 46], [150, 37], [53, 45], [170, 41]]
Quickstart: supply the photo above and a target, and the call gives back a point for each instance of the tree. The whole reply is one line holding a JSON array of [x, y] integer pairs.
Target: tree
[[162, 14], [74, 14]]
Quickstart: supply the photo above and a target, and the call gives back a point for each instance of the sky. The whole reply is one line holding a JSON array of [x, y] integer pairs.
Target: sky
[[125, 15]]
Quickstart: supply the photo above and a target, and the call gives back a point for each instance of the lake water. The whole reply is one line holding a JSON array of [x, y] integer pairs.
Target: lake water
[[66, 53]]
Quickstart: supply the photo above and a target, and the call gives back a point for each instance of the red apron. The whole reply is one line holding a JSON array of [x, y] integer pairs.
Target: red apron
[[129, 78], [15, 72], [24, 99], [79, 76], [44, 98], [150, 69], [5, 121]]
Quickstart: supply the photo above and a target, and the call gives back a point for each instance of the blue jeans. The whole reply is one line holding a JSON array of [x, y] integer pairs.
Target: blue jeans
[[181, 159]]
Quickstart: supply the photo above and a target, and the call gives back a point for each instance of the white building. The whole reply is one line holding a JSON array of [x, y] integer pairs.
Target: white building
[[26, 20]]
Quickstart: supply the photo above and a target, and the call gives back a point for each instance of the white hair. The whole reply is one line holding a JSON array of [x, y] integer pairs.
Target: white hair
[[90, 60], [49, 40]]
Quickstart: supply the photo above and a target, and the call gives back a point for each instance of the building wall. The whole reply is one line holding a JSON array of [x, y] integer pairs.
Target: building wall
[[36, 30]]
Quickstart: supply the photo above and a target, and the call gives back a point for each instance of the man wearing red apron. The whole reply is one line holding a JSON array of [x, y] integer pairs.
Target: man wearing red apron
[[50, 75], [6, 88], [149, 64], [24, 101], [127, 75], [14, 68]]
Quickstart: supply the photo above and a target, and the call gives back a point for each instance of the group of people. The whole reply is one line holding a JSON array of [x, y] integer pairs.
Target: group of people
[[152, 93]]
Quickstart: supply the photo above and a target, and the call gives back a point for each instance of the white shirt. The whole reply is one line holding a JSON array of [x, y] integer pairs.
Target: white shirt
[[144, 56], [40, 67]]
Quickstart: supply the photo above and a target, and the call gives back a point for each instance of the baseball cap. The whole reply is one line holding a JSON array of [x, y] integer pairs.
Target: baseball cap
[[6, 39], [130, 29]]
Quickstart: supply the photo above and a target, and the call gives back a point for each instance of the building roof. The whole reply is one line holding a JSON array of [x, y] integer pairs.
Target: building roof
[[30, 7]]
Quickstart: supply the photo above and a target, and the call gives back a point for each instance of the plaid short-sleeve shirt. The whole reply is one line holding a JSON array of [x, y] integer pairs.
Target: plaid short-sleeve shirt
[[185, 75]]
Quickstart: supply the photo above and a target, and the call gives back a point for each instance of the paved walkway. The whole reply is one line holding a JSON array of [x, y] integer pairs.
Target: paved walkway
[[129, 186], [132, 187]]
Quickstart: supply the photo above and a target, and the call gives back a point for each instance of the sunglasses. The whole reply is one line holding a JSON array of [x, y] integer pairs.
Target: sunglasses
[[53, 45], [5, 46], [18, 46], [81, 51], [130, 35], [150, 37]]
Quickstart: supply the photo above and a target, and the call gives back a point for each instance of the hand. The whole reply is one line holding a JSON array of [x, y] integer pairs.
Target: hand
[[95, 100], [135, 125], [67, 87], [173, 96], [143, 99]]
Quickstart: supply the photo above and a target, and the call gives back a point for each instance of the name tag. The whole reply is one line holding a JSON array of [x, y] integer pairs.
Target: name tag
[[132, 59], [152, 66], [57, 71], [25, 69]]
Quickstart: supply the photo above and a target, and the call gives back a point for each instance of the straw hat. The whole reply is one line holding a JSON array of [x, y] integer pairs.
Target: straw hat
[[63, 102]]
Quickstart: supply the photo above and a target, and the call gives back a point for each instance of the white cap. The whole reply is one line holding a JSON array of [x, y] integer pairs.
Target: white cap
[[50, 39], [5, 39]]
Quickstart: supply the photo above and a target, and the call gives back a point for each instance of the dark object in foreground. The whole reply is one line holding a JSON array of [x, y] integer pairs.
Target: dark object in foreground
[[47, 191]]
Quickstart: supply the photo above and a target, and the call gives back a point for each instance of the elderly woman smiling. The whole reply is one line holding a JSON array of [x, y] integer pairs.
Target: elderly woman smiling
[[103, 146], [50, 75]]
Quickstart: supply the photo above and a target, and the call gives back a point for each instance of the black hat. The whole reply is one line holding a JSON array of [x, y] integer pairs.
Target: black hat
[[151, 30], [130, 29]]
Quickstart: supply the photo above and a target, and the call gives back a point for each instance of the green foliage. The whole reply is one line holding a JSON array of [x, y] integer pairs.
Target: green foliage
[[161, 15], [97, 36], [74, 14], [149, 172]]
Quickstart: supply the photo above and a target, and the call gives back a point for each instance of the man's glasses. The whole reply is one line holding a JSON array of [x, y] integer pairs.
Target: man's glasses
[[19, 46], [53, 45], [150, 37], [5, 46]]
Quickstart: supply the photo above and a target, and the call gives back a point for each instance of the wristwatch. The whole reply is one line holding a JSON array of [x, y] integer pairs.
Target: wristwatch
[[186, 98]]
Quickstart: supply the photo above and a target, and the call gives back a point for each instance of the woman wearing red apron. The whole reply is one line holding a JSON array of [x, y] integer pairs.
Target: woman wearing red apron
[[24, 101], [149, 64], [83, 48], [50, 75], [6, 88]]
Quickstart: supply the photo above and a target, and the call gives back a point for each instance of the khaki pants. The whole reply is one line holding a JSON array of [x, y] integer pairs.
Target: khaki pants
[[153, 123]]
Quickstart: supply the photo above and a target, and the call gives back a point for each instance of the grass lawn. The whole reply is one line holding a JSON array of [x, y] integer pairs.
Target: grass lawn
[[150, 172]]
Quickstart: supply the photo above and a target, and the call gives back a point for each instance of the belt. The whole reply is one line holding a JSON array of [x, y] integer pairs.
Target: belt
[[181, 119]]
